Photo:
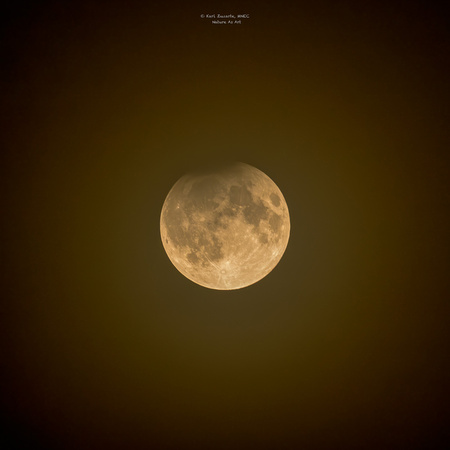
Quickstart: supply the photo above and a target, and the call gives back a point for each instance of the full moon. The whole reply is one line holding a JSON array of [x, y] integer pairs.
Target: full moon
[[226, 228]]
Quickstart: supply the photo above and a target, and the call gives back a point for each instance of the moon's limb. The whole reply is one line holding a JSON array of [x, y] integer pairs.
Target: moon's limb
[[227, 229]]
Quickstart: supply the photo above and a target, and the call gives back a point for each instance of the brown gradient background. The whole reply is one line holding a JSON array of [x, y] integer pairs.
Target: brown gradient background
[[105, 345]]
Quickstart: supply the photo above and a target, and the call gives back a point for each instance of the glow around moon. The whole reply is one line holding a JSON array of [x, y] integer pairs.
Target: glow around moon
[[225, 229]]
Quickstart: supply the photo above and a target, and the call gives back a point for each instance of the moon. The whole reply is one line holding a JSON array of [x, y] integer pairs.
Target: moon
[[226, 228]]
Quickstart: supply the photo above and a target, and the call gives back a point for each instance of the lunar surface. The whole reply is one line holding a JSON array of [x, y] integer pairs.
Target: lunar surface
[[227, 228]]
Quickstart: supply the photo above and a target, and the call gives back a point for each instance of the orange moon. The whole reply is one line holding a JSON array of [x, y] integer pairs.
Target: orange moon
[[225, 229]]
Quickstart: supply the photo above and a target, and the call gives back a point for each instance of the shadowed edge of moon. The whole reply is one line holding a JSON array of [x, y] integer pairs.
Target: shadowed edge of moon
[[225, 229]]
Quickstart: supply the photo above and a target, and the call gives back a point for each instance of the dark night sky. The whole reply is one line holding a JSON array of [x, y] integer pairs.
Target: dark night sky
[[104, 105]]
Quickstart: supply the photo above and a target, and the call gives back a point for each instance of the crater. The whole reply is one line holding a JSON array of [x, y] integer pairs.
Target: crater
[[220, 220], [173, 220], [213, 249], [255, 212], [193, 258], [275, 199], [240, 195], [229, 212], [275, 222]]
